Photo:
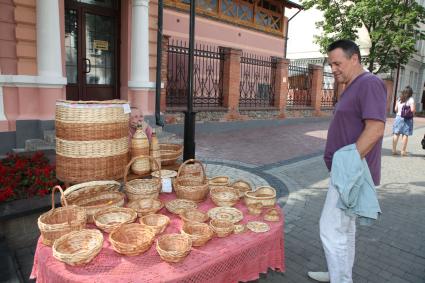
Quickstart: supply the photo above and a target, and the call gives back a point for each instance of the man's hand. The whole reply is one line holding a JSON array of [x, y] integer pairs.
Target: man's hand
[[373, 131]]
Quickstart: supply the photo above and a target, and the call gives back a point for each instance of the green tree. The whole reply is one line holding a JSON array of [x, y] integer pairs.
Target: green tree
[[393, 26]]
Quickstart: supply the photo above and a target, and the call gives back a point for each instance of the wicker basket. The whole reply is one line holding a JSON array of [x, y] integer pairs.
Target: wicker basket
[[272, 214], [242, 186], [142, 188], [59, 221], [264, 195], [194, 215], [78, 247], [170, 152], [173, 247], [178, 206], [192, 170], [199, 233], [224, 196], [222, 228], [95, 196], [91, 140], [219, 181], [191, 187], [145, 206], [255, 208], [131, 239], [140, 146], [156, 222], [111, 218]]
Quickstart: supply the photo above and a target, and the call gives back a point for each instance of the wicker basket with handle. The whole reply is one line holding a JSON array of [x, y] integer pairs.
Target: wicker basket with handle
[[59, 221], [191, 187], [91, 140], [94, 196], [142, 188], [265, 195]]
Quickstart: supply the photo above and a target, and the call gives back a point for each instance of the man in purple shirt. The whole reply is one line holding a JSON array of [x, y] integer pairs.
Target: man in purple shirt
[[359, 119]]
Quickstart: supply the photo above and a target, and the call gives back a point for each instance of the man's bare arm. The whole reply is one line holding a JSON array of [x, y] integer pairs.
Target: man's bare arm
[[373, 131]]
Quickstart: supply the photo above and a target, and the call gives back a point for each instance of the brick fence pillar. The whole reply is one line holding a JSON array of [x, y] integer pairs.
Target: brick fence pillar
[[281, 85], [231, 82], [164, 72], [316, 88]]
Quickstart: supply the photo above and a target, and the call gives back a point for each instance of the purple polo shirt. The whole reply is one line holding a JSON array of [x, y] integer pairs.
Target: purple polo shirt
[[364, 99]]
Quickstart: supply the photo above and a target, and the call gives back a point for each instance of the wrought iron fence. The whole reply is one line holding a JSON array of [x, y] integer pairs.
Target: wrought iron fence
[[329, 97], [257, 86], [299, 83], [207, 75]]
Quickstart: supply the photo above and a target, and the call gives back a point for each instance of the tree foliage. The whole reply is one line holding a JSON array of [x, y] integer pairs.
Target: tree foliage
[[393, 26]]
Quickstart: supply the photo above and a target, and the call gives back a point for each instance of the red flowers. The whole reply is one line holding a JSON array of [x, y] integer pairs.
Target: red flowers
[[26, 176]]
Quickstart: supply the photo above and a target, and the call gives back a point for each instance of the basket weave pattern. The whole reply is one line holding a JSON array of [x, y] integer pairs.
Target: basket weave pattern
[[145, 206], [199, 233], [191, 187], [265, 195], [173, 247], [59, 221], [194, 215], [131, 239], [111, 218], [222, 228], [170, 153], [91, 140], [78, 247], [156, 222], [224, 196]]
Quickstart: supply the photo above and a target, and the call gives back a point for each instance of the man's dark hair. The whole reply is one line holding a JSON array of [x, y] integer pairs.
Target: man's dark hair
[[348, 46]]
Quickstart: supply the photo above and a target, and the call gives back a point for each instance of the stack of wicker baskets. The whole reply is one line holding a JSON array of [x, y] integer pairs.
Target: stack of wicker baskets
[[91, 140], [190, 186], [60, 221]]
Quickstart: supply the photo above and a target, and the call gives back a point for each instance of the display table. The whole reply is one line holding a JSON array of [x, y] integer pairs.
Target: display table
[[238, 257]]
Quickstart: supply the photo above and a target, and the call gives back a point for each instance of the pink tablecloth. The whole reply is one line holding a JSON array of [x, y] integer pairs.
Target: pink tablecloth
[[235, 258]]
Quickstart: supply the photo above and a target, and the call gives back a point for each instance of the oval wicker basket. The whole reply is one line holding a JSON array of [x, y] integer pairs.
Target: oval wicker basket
[[242, 186], [224, 196], [199, 233], [222, 228], [173, 247], [170, 152], [191, 187], [91, 140], [194, 215], [59, 221], [78, 247], [112, 217], [156, 222], [265, 195], [219, 181], [145, 206], [142, 188], [131, 239], [95, 196], [178, 206]]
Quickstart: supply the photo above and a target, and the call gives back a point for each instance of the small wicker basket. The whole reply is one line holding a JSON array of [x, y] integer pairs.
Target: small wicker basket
[[94, 196], [59, 221], [178, 206], [219, 181], [242, 186], [255, 208], [224, 196], [112, 217], [191, 187], [170, 152], [222, 228], [173, 247], [199, 233], [156, 222], [265, 195], [194, 215], [142, 188], [131, 239], [145, 206], [272, 214], [78, 247]]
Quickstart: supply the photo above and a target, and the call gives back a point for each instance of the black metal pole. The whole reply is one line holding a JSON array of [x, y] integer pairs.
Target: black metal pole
[[158, 119], [189, 115], [396, 87]]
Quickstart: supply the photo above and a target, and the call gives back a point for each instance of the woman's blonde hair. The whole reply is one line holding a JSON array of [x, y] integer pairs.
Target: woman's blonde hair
[[406, 94]]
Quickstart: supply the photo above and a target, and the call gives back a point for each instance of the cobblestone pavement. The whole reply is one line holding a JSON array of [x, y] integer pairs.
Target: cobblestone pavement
[[287, 154]]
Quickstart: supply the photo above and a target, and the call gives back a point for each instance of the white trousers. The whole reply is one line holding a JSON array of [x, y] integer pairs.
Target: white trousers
[[337, 232]]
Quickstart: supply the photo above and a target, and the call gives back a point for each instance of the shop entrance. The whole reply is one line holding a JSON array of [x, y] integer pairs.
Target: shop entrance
[[91, 49]]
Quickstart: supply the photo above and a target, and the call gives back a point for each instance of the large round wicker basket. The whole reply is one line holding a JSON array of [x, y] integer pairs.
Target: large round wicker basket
[[131, 239], [95, 196], [78, 247], [142, 188], [60, 221], [173, 247], [191, 187], [91, 140]]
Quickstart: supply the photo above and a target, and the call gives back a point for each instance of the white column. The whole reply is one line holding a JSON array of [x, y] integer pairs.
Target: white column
[[49, 57], [139, 77]]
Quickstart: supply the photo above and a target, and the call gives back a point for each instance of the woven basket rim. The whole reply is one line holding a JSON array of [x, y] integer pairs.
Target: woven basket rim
[[113, 101]]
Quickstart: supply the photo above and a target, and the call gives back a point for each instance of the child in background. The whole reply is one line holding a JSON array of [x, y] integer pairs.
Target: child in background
[[136, 119]]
